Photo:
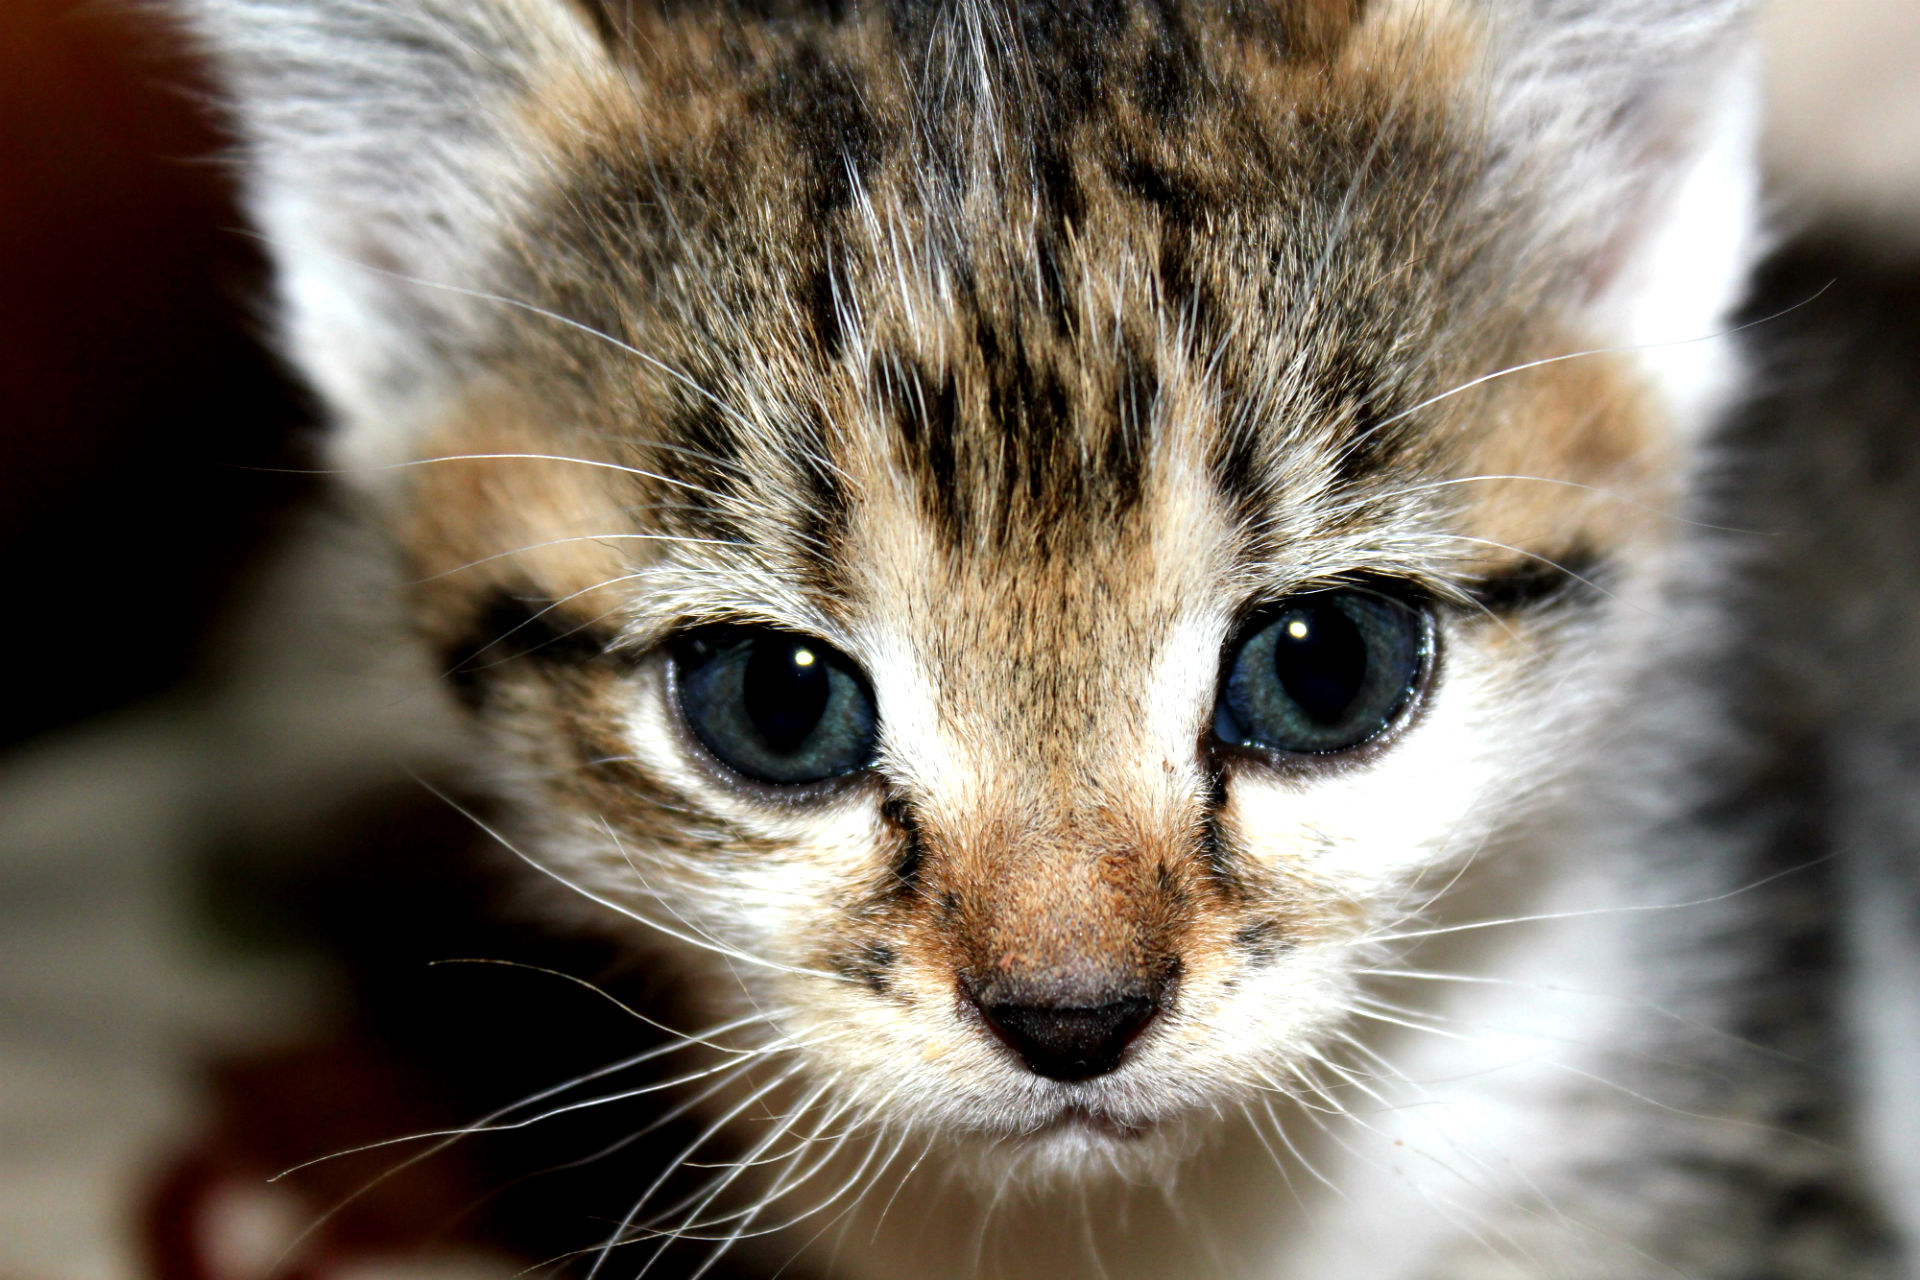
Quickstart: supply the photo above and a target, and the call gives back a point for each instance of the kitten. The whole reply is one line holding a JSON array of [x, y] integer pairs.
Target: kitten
[[1105, 584]]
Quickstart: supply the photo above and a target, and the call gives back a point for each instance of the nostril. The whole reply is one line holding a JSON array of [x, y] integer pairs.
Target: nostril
[[1071, 1043]]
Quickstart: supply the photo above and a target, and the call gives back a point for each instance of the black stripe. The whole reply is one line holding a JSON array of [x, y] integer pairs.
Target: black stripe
[[1570, 577], [818, 304], [906, 865], [926, 418], [871, 964], [706, 469], [1262, 940], [1129, 444], [512, 629], [1238, 465], [824, 509]]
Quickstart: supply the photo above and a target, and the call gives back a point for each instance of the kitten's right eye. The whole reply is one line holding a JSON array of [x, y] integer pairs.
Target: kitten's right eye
[[774, 706]]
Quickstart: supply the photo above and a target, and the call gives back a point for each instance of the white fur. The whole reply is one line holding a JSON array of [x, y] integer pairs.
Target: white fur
[[1673, 297], [385, 163]]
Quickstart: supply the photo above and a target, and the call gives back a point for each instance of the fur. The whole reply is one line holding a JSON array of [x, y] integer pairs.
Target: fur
[[1020, 353]]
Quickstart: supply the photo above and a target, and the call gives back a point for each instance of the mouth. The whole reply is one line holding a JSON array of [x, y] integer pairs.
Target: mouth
[[1079, 1120], [1079, 1143]]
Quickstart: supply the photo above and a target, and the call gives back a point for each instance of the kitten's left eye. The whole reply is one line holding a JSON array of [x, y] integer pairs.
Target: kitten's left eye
[[1322, 673], [774, 706]]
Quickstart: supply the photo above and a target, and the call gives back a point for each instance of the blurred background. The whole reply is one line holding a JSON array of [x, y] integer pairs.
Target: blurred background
[[174, 687]]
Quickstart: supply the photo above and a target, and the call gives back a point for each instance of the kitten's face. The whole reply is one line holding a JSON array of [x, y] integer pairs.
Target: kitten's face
[[1098, 405]]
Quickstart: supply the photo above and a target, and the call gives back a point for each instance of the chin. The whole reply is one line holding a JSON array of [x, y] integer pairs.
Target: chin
[[1081, 1144]]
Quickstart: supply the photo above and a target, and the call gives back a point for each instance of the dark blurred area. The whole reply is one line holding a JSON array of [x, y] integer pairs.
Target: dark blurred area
[[139, 406], [154, 458], [455, 1006]]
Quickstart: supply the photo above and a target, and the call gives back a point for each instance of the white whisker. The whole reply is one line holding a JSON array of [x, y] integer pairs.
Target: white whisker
[[1589, 913]]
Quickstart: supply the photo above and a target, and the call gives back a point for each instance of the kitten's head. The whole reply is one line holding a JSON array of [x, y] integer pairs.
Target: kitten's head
[[1011, 542]]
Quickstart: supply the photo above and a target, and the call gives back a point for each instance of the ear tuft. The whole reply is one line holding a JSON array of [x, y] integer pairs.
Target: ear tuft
[[1637, 123], [386, 157]]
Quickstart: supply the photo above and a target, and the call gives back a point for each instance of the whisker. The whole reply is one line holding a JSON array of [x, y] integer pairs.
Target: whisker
[[468, 665], [449, 1137], [703, 939], [696, 1202], [1280, 1165], [853, 1203], [1588, 913], [1391, 1020], [609, 997], [1404, 491], [658, 1122], [1523, 367], [1530, 555], [1280, 1131], [706, 1135], [1737, 1122], [1089, 1237], [526, 1122], [706, 944], [900, 1186], [854, 1179], [599, 464], [584, 537], [1629, 1001]]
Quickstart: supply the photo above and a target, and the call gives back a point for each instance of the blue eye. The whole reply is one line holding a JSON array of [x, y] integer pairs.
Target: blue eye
[[774, 706], [1322, 673]]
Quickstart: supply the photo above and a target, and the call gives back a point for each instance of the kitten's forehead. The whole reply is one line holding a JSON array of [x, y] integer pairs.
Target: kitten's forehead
[[1005, 257], [910, 288]]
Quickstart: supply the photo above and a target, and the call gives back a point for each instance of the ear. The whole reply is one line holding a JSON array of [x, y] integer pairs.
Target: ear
[[1636, 122], [388, 150]]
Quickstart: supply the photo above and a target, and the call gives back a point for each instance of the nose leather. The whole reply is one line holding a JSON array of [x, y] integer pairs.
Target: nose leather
[[1069, 1042]]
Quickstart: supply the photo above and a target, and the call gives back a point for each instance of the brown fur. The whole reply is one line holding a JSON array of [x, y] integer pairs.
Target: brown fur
[[1031, 369], [1021, 364]]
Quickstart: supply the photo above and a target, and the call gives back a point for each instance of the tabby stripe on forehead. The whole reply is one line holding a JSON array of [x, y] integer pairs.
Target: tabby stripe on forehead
[[818, 300], [1239, 464], [719, 498], [823, 103], [925, 412], [1056, 455], [1370, 443], [824, 509], [707, 459]]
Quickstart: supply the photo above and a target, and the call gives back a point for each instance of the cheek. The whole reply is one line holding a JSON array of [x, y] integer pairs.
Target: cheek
[[715, 864], [1455, 773]]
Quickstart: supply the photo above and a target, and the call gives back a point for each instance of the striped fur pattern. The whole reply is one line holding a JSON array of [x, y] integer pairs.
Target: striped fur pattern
[[1021, 352]]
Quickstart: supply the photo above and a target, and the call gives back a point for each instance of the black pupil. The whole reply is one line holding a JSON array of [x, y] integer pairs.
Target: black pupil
[[1321, 660], [786, 690]]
